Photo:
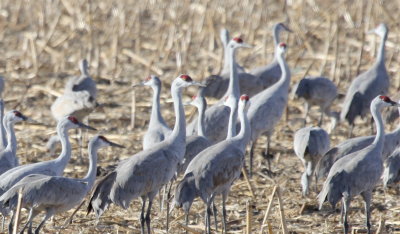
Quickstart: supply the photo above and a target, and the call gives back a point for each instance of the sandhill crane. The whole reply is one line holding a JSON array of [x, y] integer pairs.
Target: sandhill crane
[[391, 172], [8, 156], [392, 141], [358, 172], [267, 107], [217, 86], [135, 176], [53, 167], [79, 97], [158, 130], [214, 170], [218, 113], [185, 191], [196, 143], [309, 144], [54, 194], [366, 86], [319, 91], [271, 73]]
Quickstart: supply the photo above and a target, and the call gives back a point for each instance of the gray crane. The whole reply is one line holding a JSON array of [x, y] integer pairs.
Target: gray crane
[[358, 172], [158, 130], [310, 144], [213, 171], [53, 167], [8, 156], [196, 143], [267, 107], [319, 91], [185, 191], [271, 73], [79, 97], [218, 113], [391, 172], [367, 85], [54, 194], [392, 141], [217, 85], [135, 176]]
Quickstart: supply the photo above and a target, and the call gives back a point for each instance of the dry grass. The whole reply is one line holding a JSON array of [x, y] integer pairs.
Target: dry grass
[[41, 42]]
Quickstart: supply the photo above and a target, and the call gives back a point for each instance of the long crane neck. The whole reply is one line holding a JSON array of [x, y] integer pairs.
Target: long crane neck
[[200, 121], [178, 135], [65, 155], [232, 122], [91, 174], [233, 88], [380, 131], [285, 76], [244, 135], [155, 110], [276, 36], [3, 136], [380, 59], [11, 139]]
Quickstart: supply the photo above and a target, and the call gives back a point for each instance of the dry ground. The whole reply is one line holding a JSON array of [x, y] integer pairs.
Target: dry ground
[[41, 42]]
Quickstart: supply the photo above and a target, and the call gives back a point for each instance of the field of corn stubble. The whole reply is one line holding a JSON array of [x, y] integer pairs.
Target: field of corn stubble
[[124, 41]]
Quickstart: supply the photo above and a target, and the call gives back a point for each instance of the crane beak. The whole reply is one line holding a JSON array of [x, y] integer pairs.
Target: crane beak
[[372, 31], [81, 125], [287, 28], [138, 85], [198, 84], [245, 45], [115, 144]]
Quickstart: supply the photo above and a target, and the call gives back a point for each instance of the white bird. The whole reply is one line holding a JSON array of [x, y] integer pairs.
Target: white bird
[[310, 144], [358, 173], [367, 85], [143, 174], [8, 156], [54, 194], [53, 167], [79, 97], [158, 130], [267, 107], [319, 91], [271, 73], [218, 114], [214, 170]]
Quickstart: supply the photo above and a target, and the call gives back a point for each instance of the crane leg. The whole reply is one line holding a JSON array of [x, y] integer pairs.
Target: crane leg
[[148, 216], [346, 206], [168, 197], [49, 213], [186, 221], [372, 126], [321, 117], [307, 108], [3, 222], [215, 215], [351, 130], [367, 195], [252, 148], [11, 223], [142, 220], [224, 213], [208, 214], [32, 215], [69, 220]]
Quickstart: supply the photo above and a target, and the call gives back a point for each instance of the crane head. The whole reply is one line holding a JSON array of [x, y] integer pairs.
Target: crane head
[[151, 80], [237, 42], [281, 48], [73, 122], [243, 101], [185, 81], [15, 116], [381, 30], [282, 26], [387, 101]]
